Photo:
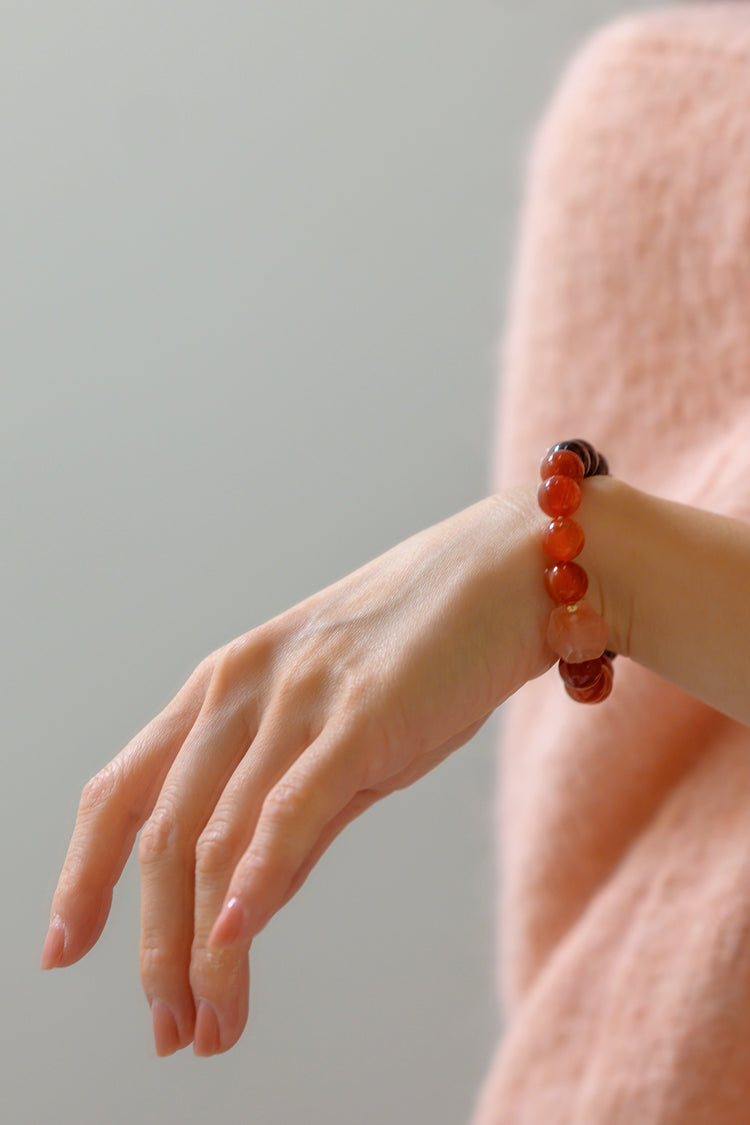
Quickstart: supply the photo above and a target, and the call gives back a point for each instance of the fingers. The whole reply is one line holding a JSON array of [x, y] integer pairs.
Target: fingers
[[167, 850], [358, 804], [202, 822], [302, 829], [365, 798], [236, 818], [113, 807], [295, 815], [219, 978]]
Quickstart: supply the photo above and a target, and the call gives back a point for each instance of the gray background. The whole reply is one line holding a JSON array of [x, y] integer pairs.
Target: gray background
[[253, 266]]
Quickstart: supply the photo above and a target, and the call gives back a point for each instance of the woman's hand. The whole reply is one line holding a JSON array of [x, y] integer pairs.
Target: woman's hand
[[281, 738]]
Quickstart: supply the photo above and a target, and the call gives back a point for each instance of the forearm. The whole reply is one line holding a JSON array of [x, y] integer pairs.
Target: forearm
[[672, 582]]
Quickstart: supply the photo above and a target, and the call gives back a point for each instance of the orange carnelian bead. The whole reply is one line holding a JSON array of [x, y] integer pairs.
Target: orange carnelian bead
[[563, 539], [559, 496], [562, 462], [566, 583]]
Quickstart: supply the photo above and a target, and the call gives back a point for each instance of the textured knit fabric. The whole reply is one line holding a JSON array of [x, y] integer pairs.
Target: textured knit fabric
[[625, 828]]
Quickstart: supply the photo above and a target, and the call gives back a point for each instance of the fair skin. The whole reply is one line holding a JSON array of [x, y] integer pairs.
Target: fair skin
[[282, 737]]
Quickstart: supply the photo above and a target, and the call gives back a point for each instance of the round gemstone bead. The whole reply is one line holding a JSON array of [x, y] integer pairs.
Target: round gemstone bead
[[563, 463], [583, 449], [559, 496], [598, 691], [602, 468], [566, 583], [576, 633], [563, 539], [583, 675]]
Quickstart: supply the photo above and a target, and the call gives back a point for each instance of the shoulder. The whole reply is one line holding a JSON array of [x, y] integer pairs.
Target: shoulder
[[646, 89], [707, 34], [635, 234]]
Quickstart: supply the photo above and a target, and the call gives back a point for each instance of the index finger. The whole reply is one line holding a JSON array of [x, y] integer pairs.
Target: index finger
[[114, 805]]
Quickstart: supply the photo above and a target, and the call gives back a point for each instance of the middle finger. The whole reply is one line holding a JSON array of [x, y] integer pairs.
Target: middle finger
[[219, 978], [166, 852]]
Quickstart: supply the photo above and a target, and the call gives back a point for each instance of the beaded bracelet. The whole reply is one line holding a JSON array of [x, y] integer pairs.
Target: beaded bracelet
[[576, 633]]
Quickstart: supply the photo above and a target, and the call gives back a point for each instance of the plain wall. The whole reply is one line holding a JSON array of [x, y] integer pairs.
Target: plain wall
[[254, 259]]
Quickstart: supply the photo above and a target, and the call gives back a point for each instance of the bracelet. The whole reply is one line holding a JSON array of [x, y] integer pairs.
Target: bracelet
[[576, 633]]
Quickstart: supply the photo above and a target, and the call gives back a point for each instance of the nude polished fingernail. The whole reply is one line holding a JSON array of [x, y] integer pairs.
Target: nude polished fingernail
[[166, 1031], [229, 925], [207, 1038], [54, 945]]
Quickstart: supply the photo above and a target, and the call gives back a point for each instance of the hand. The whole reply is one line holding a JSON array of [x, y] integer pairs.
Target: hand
[[281, 738]]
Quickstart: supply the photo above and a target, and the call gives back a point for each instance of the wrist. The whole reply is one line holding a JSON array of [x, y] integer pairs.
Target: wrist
[[519, 566], [606, 517], [606, 512]]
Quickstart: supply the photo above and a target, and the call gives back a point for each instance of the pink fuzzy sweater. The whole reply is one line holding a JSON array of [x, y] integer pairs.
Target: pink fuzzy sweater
[[625, 855]]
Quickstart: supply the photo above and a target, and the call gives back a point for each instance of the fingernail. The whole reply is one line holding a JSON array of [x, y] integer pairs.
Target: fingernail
[[54, 945], [166, 1032], [229, 925], [207, 1038]]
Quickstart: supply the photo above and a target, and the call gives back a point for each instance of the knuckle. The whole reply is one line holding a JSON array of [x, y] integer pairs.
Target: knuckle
[[159, 967], [216, 850], [204, 669], [209, 965], [227, 669], [193, 688], [277, 837], [161, 837], [101, 788], [247, 657], [286, 801]]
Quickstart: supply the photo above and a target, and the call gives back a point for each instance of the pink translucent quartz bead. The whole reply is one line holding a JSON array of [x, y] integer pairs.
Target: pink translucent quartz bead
[[576, 633]]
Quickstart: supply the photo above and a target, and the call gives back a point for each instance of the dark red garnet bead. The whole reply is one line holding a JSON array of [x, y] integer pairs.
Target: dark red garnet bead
[[594, 465], [588, 682], [582, 675], [582, 449]]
